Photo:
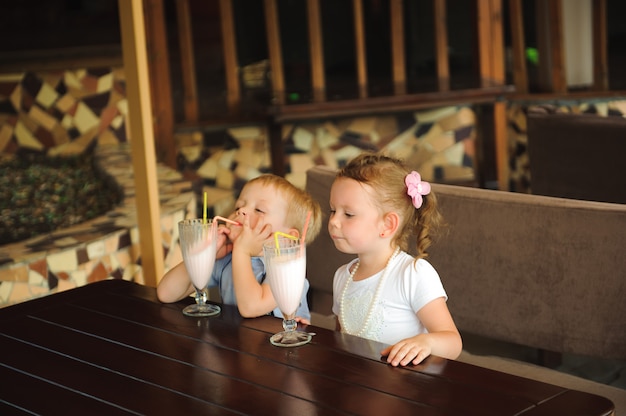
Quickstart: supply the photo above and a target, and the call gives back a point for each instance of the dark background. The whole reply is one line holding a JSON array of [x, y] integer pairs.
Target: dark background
[[37, 31]]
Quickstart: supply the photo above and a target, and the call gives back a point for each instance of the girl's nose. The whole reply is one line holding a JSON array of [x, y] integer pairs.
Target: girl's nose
[[332, 222]]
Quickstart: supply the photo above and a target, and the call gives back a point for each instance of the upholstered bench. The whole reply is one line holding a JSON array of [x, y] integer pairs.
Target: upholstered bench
[[542, 272]]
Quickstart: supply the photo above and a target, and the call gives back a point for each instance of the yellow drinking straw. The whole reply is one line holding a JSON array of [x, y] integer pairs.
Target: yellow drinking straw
[[277, 233], [204, 210]]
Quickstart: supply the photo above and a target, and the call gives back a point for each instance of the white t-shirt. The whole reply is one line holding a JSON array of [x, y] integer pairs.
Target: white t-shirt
[[408, 287]]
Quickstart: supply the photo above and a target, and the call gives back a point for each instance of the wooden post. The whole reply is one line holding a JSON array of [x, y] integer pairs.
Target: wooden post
[[316, 48], [549, 22], [557, 46], [600, 51], [275, 51], [499, 78], [231, 66], [142, 138], [160, 82], [397, 47], [491, 66], [187, 60], [441, 45], [361, 54], [518, 45]]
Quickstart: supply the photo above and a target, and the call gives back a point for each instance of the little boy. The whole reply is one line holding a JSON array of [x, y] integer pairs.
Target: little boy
[[267, 204]]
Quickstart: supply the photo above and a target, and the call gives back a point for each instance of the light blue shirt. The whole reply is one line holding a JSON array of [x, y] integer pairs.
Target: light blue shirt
[[222, 277]]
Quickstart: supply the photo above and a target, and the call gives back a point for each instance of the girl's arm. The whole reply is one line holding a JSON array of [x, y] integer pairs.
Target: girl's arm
[[443, 338]]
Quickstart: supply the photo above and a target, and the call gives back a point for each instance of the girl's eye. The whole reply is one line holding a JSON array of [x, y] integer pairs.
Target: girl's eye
[[260, 211]]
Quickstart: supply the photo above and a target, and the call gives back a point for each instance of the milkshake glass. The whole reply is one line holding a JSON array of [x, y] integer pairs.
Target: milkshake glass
[[285, 267], [198, 243]]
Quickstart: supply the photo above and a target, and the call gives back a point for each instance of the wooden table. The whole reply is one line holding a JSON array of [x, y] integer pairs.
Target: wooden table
[[112, 348]]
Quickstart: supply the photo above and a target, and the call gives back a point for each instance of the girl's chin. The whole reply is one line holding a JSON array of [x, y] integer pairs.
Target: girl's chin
[[342, 247]]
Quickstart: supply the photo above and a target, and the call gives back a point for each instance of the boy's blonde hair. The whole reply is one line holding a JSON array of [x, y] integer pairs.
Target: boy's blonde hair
[[299, 203]]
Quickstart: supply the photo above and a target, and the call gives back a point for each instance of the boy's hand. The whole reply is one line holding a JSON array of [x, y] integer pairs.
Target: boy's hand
[[226, 236], [224, 245], [250, 240]]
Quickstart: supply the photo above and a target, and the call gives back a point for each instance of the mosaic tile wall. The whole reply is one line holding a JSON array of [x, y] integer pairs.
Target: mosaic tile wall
[[438, 143], [63, 113]]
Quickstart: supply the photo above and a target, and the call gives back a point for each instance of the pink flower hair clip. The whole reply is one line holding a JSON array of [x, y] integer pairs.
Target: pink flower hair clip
[[416, 188]]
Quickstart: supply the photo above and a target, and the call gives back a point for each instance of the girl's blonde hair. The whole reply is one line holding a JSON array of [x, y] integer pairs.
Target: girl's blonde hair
[[299, 203], [385, 175]]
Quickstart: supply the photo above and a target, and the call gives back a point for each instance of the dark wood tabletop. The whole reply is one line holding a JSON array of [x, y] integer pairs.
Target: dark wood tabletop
[[111, 348]]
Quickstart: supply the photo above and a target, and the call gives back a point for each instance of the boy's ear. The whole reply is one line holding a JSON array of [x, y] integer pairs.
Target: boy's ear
[[294, 232]]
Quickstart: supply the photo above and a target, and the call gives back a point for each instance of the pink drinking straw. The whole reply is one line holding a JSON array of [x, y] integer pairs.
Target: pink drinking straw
[[306, 227], [217, 217]]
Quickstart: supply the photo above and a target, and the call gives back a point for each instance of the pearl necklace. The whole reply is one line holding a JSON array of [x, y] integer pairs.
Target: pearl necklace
[[368, 317]]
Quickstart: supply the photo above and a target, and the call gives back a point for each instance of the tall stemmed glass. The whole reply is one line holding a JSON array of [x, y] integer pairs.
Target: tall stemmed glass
[[198, 243], [285, 264]]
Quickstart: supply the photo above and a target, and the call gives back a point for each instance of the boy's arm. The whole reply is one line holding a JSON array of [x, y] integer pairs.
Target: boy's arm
[[253, 298], [175, 285]]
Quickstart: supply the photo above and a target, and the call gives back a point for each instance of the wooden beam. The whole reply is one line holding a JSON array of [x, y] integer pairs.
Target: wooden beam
[[361, 53], [441, 45], [600, 46], [386, 104], [231, 66], [316, 48], [142, 138], [398, 65], [187, 60], [274, 47], [518, 45], [160, 81]]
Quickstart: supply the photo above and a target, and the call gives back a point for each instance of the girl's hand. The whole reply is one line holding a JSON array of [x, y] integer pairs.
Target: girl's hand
[[411, 350], [302, 320]]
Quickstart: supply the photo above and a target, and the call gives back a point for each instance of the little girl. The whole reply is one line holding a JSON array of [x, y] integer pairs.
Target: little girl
[[386, 294]]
